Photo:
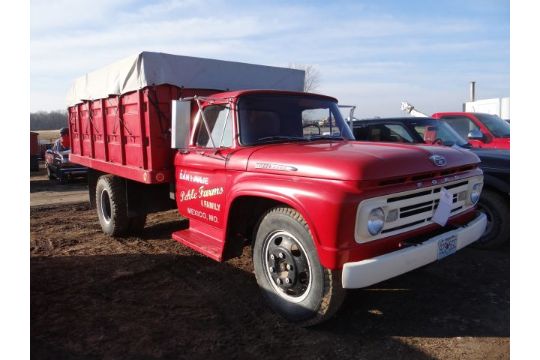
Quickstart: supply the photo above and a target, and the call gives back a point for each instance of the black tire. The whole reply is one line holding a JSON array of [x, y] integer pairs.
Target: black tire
[[136, 224], [111, 205], [312, 293], [496, 206]]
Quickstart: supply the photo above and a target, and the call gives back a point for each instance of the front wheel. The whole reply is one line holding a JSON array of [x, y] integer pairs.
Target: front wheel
[[288, 270]]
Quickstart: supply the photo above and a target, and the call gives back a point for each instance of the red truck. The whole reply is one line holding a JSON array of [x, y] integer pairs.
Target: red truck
[[482, 130], [323, 213]]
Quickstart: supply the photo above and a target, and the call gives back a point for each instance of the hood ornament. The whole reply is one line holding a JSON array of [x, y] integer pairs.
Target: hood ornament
[[438, 160]]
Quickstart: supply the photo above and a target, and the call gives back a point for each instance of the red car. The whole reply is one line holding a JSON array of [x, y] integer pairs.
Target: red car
[[482, 130]]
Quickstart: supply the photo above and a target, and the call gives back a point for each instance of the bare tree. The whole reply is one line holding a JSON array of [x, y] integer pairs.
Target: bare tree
[[43, 120], [312, 76]]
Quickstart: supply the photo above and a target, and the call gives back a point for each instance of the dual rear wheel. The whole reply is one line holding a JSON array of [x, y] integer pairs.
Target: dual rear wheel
[[111, 206]]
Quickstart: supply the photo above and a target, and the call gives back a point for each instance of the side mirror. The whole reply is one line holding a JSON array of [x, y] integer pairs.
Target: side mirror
[[181, 124], [476, 135]]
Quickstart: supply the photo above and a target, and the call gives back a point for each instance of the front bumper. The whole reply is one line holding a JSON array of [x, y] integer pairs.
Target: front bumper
[[371, 271]]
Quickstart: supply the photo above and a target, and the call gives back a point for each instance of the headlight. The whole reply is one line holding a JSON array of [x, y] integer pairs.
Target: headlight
[[475, 193], [375, 221]]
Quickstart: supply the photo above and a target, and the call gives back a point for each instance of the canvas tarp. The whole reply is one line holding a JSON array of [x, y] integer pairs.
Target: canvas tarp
[[151, 68]]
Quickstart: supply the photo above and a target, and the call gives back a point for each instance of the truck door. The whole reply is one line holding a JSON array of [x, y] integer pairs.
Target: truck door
[[202, 181], [465, 126]]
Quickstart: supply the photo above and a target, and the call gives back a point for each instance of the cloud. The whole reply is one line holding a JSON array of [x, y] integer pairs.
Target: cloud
[[349, 43], [54, 15]]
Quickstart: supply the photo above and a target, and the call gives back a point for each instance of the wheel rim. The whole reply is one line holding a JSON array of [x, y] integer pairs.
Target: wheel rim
[[106, 206], [287, 267]]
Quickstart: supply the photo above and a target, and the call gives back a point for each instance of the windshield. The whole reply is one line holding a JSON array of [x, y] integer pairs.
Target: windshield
[[495, 124], [437, 132], [267, 118]]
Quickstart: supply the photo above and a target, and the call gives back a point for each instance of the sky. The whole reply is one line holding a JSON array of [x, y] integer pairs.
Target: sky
[[372, 54]]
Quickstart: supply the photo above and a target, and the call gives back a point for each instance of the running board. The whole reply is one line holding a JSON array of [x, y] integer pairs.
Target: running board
[[202, 238]]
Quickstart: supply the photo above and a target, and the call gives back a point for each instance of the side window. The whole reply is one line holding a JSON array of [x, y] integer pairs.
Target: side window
[[463, 125], [384, 133], [399, 133], [219, 121], [361, 133], [420, 130], [428, 133]]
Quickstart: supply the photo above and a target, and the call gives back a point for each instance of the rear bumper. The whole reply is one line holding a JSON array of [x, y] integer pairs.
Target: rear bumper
[[371, 271]]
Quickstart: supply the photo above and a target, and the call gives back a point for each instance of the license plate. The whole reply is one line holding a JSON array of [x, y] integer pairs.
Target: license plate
[[446, 246]]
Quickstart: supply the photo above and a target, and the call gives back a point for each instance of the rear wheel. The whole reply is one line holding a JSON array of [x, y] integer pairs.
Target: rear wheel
[[136, 224], [497, 209], [111, 205], [288, 270]]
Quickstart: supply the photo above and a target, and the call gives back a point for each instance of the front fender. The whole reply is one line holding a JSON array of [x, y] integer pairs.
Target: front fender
[[328, 209]]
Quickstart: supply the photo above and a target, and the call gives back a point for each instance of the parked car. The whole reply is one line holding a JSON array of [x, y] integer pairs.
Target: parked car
[[495, 198], [482, 130], [59, 167]]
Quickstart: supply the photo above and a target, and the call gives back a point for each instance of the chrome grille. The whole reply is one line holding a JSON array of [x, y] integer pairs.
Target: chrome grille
[[413, 209]]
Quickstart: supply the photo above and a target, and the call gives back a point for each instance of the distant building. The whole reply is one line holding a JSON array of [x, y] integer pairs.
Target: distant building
[[495, 106]]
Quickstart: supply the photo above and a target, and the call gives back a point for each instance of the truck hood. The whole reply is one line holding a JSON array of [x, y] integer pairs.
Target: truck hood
[[353, 160]]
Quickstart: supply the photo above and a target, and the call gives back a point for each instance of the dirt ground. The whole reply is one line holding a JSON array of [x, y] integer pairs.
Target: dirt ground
[[44, 191], [148, 297]]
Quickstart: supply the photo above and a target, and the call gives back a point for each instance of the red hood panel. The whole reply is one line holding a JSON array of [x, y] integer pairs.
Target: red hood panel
[[353, 160]]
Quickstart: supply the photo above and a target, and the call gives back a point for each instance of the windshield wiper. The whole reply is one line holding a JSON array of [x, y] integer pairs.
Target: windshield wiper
[[278, 138]]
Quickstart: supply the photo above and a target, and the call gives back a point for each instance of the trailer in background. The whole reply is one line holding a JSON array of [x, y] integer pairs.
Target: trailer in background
[[495, 106], [34, 152], [46, 139]]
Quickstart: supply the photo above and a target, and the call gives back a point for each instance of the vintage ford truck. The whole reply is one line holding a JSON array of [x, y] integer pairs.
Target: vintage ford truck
[[323, 213]]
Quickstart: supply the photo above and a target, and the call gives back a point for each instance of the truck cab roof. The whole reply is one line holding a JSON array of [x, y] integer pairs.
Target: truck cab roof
[[238, 93]]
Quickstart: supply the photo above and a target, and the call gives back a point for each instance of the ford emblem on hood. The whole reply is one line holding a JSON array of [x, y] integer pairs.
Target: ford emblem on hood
[[438, 160]]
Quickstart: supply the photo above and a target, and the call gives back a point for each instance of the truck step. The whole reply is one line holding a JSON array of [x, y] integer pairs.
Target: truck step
[[202, 238]]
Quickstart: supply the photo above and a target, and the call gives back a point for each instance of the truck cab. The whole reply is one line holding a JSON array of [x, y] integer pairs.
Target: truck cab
[[482, 130], [255, 170]]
